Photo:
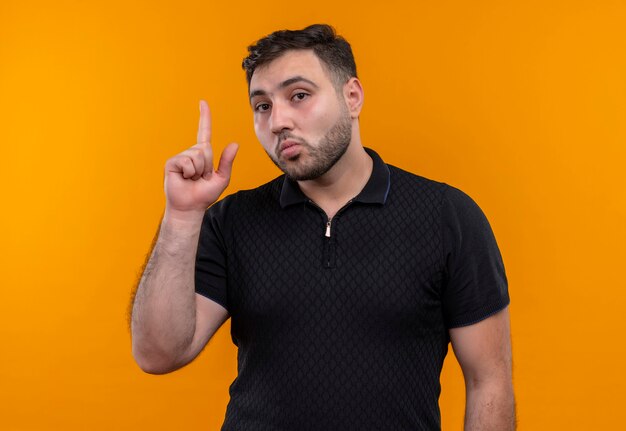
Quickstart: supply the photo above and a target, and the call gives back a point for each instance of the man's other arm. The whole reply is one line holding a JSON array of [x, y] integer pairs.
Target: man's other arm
[[484, 353]]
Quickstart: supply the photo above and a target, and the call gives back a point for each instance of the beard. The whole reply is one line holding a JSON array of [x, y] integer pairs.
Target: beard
[[315, 160]]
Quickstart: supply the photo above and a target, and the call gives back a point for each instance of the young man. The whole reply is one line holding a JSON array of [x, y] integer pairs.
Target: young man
[[344, 279]]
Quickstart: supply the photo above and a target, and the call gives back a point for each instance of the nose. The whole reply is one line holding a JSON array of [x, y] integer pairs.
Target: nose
[[280, 119]]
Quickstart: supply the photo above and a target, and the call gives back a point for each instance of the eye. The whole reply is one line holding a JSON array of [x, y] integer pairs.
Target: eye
[[262, 107], [299, 96]]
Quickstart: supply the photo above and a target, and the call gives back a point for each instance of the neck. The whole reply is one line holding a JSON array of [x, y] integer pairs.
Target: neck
[[342, 182]]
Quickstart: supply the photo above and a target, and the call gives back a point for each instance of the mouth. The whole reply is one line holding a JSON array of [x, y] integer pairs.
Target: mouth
[[287, 143], [288, 148]]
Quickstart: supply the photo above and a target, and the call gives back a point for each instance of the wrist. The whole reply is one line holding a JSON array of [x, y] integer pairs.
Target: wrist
[[182, 221], [183, 216]]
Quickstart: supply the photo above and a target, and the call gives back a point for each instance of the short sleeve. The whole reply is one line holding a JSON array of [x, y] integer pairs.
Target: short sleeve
[[211, 270], [475, 284]]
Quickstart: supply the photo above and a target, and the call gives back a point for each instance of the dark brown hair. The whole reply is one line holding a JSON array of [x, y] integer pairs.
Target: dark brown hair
[[333, 50]]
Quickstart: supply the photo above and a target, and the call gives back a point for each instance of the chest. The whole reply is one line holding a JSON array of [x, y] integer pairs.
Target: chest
[[369, 268]]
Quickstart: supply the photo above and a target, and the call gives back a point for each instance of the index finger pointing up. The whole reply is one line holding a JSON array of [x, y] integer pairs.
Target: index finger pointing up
[[204, 126]]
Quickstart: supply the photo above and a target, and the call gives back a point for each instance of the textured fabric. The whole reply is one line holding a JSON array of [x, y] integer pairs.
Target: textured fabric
[[347, 332]]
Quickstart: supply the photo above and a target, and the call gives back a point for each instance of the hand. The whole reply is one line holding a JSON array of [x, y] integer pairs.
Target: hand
[[191, 184]]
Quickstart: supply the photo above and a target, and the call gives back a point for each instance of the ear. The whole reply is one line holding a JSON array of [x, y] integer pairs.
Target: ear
[[353, 95]]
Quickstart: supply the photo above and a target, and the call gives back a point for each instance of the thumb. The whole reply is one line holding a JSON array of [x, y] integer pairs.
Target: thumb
[[225, 165]]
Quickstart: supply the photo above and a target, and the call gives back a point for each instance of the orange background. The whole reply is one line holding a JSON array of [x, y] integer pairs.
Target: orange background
[[520, 104]]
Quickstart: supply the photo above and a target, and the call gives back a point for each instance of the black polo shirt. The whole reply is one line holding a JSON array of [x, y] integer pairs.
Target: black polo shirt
[[345, 326]]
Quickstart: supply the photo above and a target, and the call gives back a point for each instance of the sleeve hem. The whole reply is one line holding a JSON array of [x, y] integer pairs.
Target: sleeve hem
[[217, 301], [476, 317]]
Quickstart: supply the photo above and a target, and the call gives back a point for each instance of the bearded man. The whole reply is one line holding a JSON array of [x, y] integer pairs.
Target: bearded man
[[345, 278]]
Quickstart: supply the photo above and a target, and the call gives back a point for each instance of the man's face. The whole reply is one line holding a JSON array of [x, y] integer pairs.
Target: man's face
[[300, 119]]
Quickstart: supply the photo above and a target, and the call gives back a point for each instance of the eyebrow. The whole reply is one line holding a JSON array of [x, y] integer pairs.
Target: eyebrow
[[285, 83]]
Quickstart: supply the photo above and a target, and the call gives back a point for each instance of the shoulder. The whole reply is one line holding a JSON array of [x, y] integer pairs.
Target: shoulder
[[447, 203], [240, 208], [444, 192], [403, 175], [462, 211], [266, 191], [411, 188], [246, 201]]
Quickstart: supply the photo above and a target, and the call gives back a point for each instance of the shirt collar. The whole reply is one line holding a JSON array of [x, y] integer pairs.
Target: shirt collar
[[374, 192]]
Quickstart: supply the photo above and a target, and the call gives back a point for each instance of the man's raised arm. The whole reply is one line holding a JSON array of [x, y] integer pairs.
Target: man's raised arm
[[170, 323]]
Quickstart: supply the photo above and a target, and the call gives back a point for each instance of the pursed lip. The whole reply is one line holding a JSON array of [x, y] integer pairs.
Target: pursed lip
[[286, 144]]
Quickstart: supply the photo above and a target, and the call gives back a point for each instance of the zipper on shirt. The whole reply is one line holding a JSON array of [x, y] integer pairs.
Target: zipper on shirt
[[330, 220], [329, 243]]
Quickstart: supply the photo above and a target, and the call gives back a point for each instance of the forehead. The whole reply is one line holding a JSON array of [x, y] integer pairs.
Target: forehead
[[302, 63]]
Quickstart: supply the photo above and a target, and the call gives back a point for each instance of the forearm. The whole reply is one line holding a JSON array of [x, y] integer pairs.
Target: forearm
[[164, 309], [490, 406]]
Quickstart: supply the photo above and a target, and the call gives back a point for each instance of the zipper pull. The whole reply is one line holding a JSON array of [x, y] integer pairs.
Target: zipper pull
[[327, 235]]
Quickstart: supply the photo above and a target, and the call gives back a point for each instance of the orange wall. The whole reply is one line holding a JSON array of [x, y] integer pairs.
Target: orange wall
[[520, 104]]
